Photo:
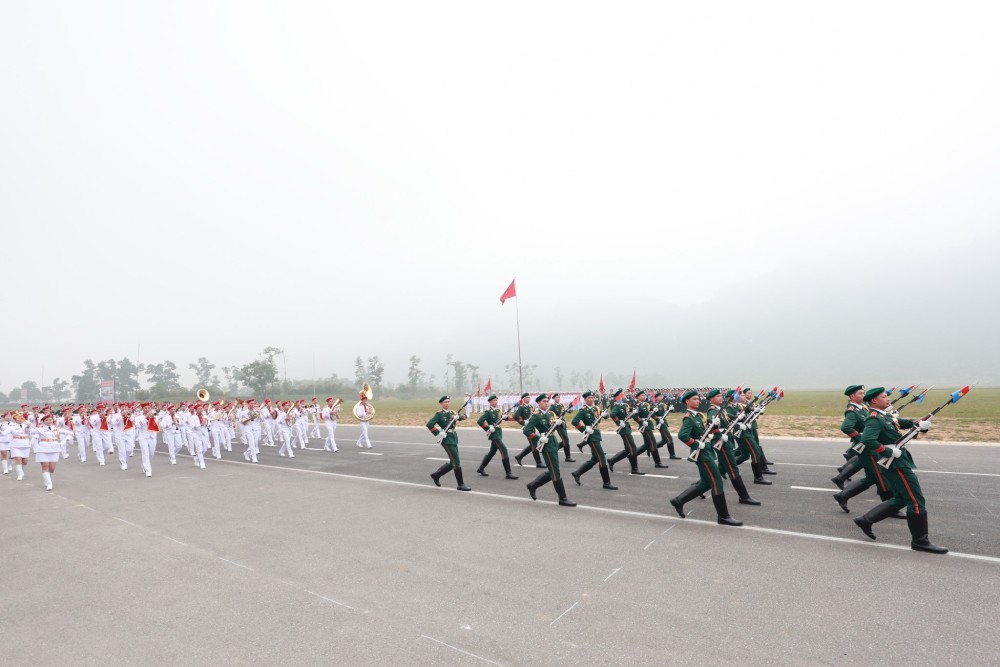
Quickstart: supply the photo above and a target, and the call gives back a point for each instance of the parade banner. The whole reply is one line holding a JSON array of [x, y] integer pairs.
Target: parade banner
[[107, 390]]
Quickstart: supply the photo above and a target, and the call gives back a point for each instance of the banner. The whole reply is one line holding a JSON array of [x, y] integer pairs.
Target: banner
[[107, 390]]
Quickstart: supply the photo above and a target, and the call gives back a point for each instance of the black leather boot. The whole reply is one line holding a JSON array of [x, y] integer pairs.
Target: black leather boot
[[634, 461], [685, 496], [741, 490], [851, 490], [615, 459], [757, 477], [506, 469], [887, 495], [849, 470], [582, 469], [537, 482], [873, 516], [567, 453], [920, 539], [723, 511], [561, 491], [538, 458], [482, 469], [461, 482], [524, 452], [436, 475], [606, 476], [656, 459], [670, 449]]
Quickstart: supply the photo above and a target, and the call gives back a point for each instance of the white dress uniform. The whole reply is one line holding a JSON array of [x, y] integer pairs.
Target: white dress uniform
[[250, 432], [213, 417], [81, 431], [146, 440], [301, 427], [117, 425], [313, 412], [100, 436], [265, 427], [48, 447], [171, 434], [285, 431], [5, 445], [330, 418], [199, 438], [363, 440], [20, 445]]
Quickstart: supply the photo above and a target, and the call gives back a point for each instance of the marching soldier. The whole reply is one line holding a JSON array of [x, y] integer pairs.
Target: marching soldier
[[585, 421], [489, 421], [644, 419], [748, 447], [561, 412], [660, 410], [443, 423], [620, 414], [692, 429], [854, 423], [880, 434], [539, 431], [726, 450], [521, 415]]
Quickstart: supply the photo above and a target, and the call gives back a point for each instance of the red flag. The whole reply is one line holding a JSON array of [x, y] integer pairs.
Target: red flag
[[509, 292], [489, 387], [479, 389], [631, 387], [600, 387]]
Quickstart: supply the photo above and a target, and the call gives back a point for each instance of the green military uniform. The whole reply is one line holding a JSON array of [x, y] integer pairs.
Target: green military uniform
[[692, 429], [492, 417], [562, 412], [521, 415], [589, 416], [444, 421], [853, 425], [748, 446], [726, 451], [644, 419], [619, 413], [660, 416], [539, 426]]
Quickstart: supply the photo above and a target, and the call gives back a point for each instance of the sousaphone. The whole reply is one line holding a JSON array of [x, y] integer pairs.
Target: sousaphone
[[360, 411]]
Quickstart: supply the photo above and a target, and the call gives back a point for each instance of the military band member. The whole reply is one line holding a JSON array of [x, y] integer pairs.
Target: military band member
[[47, 446], [879, 437], [854, 423], [660, 410], [562, 412], [365, 410], [443, 423], [330, 416], [620, 415], [539, 429], [6, 422], [726, 451], [585, 421], [489, 421], [692, 429], [521, 415]]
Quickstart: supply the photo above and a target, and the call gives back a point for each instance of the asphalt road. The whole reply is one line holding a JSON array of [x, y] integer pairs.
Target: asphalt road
[[356, 558]]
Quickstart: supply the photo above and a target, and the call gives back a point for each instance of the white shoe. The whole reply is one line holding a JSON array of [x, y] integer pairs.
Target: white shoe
[[149, 474], [65, 456], [173, 463], [101, 463], [217, 457], [83, 460], [253, 460], [131, 454], [369, 446], [291, 456], [246, 455], [124, 467], [360, 445], [202, 466]]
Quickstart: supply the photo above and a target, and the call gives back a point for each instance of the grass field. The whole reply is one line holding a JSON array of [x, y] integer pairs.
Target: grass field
[[812, 413]]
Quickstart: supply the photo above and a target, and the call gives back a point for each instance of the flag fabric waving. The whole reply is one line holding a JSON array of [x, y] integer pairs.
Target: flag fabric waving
[[479, 389], [631, 386], [955, 395], [511, 291], [600, 387], [489, 387]]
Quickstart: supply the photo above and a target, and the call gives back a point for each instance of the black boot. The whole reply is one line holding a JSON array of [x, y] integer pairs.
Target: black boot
[[873, 516], [482, 469], [436, 475], [670, 449], [741, 490], [461, 482], [918, 531], [606, 476], [615, 459], [887, 495], [757, 477], [851, 490], [538, 458], [764, 469], [506, 469], [524, 452], [656, 459], [567, 453], [634, 461], [847, 471], [537, 482], [581, 444], [723, 511], [685, 496], [561, 491]]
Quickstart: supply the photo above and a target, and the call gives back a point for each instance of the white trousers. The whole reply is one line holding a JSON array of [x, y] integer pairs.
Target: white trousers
[[286, 442], [251, 436], [330, 443], [216, 434], [364, 436], [147, 448], [82, 442], [299, 434]]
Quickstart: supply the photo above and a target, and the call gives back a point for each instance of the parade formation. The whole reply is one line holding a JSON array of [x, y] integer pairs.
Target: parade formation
[[719, 440]]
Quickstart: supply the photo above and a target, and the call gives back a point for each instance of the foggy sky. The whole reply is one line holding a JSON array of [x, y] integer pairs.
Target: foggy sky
[[710, 193]]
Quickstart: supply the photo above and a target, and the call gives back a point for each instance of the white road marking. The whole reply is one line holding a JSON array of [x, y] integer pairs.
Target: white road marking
[[128, 522], [371, 453], [610, 510], [431, 458], [177, 541], [648, 545], [226, 560], [564, 613], [668, 530], [455, 648], [812, 488], [617, 570], [649, 474], [322, 597]]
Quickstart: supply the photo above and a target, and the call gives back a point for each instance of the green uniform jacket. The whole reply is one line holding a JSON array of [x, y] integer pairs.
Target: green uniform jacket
[[692, 428], [440, 420], [659, 413], [881, 430], [587, 417], [521, 414], [491, 418], [854, 422], [538, 425], [645, 411], [723, 419], [619, 412]]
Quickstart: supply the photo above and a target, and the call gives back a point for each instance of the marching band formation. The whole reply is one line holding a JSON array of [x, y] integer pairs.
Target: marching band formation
[[719, 440]]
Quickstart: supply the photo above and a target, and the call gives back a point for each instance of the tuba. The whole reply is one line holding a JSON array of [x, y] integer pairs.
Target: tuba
[[202, 395], [359, 408]]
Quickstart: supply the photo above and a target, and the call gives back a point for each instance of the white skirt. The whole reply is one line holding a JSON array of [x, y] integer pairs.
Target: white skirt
[[20, 452], [46, 457]]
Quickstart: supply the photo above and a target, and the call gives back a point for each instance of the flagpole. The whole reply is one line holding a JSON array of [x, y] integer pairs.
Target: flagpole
[[517, 315]]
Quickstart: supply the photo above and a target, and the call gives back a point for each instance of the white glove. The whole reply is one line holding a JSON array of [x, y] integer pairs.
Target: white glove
[[894, 452], [762, 409], [542, 440], [724, 438], [645, 423], [716, 421], [589, 430], [701, 445], [559, 422], [491, 429], [924, 425], [741, 427]]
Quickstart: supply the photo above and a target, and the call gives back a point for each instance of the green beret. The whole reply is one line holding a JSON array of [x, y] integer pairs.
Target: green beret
[[658, 394], [492, 397], [640, 393], [524, 395], [873, 392], [618, 392], [587, 394], [747, 390], [444, 398], [555, 395], [541, 397], [691, 393], [713, 393], [853, 388]]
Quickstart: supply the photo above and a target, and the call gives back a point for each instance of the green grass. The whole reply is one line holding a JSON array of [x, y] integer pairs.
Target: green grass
[[981, 404]]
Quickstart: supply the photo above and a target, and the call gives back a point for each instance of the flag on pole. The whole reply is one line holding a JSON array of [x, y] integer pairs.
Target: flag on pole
[[955, 395], [479, 389], [631, 386], [511, 291], [489, 387], [600, 387]]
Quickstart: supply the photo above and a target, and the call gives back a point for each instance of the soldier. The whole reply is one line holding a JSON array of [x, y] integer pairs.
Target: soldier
[[585, 421], [747, 444], [620, 414], [724, 447], [489, 421], [854, 422], [443, 423], [521, 415], [660, 410], [691, 431], [561, 412], [538, 430], [646, 422], [880, 434]]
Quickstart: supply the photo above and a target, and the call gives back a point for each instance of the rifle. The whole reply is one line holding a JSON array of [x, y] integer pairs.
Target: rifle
[[499, 419], [695, 453], [444, 432], [914, 399], [597, 423], [915, 430]]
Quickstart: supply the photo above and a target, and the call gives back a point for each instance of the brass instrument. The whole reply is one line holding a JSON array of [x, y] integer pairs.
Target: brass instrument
[[251, 415], [365, 416], [202, 395]]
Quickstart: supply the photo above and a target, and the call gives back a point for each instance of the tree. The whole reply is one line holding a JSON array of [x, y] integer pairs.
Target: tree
[[461, 376], [85, 384], [259, 375], [359, 371], [127, 382], [234, 378], [473, 372], [164, 379], [34, 393], [375, 372], [447, 365], [559, 379], [58, 390], [203, 371], [415, 375]]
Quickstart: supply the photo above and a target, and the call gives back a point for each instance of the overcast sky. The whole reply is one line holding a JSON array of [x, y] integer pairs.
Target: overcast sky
[[725, 192]]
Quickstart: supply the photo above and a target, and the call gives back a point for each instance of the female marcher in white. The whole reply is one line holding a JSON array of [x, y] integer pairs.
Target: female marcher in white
[[5, 424], [20, 444], [48, 447]]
